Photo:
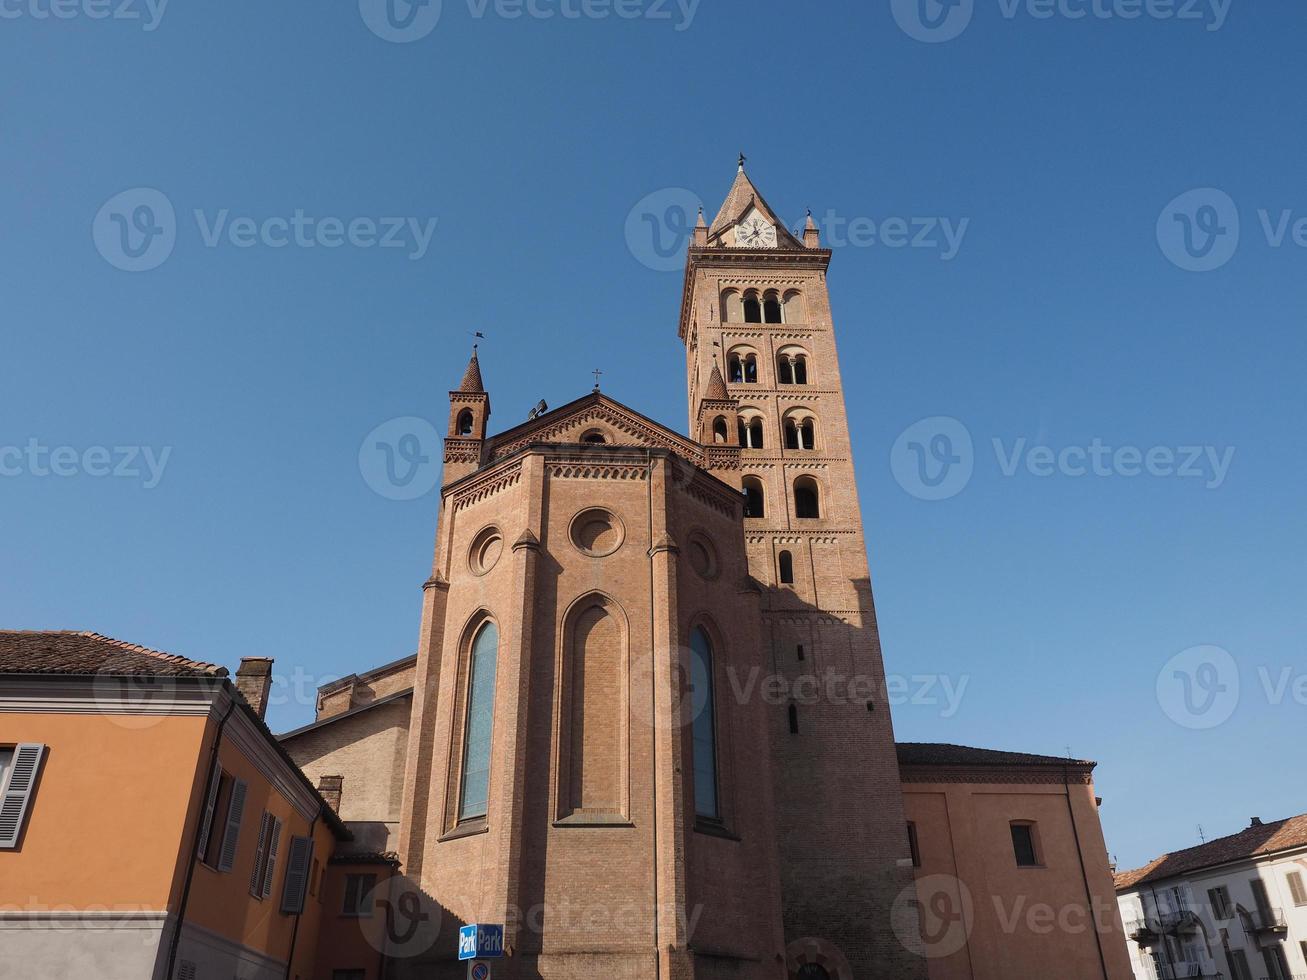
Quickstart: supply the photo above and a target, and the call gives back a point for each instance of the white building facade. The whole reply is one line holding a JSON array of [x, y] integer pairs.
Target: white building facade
[[1234, 908]]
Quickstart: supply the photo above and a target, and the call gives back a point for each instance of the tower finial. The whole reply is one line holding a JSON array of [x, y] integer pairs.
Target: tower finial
[[742, 159]]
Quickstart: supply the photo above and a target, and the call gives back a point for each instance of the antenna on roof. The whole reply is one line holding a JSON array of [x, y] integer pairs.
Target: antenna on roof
[[539, 410], [1201, 836]]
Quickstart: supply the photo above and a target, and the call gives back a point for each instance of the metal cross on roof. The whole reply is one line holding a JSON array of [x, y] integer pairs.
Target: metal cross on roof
[[596, 372]]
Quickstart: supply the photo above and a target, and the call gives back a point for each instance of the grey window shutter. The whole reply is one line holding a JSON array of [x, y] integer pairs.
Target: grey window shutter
[[256, 881], [232, 834], [274, 842], [210, 804], [186, 970], [18, 794], [297, 875]]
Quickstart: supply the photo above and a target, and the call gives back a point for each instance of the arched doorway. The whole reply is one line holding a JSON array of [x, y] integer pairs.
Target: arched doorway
[[812, 971]]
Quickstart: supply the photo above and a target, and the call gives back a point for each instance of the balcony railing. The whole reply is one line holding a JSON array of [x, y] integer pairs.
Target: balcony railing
[[1186, 969], [1186, 920], [1267, 920], [1143, 931]]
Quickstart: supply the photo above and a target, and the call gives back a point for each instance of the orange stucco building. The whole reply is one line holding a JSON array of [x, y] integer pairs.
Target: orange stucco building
[[151, 826]]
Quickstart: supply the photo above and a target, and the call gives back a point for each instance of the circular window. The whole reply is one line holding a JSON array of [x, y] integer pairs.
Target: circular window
[[703, 556], [485, 551], [596, 532]]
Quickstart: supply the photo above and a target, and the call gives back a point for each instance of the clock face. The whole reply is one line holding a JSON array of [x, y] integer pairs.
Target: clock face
[[755, 232]]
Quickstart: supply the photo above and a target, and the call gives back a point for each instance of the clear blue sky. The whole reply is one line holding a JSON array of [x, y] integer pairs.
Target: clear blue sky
[[1060, 319]]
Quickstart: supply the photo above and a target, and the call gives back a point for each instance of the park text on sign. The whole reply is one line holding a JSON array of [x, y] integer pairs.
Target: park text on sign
[[477, 942]]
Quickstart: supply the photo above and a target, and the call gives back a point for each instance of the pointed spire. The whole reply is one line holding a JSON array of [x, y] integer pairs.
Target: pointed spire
[[811, 234], [743, 196], [701, 223], [716, 390], [472, 376], [700, 230]]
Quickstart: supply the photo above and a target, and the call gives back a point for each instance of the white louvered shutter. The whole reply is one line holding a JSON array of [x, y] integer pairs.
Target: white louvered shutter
[[297, 875], [232, 834], [210, 804], [274, 843], [256, 879], [17, 798]]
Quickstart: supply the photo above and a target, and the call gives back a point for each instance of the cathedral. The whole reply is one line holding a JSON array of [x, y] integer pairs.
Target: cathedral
[[646, 725]]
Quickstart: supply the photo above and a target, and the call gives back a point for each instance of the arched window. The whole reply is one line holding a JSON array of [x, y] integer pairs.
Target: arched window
[[800, 433], [478, 724], [771, 307], [787, 568], [754, 505], [812, 971], [594, 438], [704, 710], [792, 306], [806, 498], [732, 311], [742, 367], [752, 308], [792, 366], [719, 432], [465, 422], [751, 432], [734, 369]]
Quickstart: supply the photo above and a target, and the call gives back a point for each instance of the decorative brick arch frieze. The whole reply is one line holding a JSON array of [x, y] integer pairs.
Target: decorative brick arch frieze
[[487, 486]]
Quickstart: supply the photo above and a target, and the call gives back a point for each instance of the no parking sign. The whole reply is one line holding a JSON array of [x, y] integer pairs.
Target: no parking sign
[[478, 971]]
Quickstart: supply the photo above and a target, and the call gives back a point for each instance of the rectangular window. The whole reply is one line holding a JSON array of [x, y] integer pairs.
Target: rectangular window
[[214, 828], [358, 896], [1239, 968], [1302, 946], [1277, 968], [21, 766], [913, 847], [1023, 844], [1219, 898], [1297, 889], [265, 857], [296, 883]]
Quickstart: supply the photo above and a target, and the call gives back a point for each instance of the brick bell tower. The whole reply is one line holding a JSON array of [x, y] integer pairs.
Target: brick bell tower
[[756, 304]]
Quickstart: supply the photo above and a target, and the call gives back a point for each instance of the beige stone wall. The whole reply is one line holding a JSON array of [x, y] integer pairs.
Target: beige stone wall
[[367, 749]]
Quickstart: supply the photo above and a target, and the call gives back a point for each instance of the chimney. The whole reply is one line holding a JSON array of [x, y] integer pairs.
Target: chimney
[[254, 681], [1257, 822], [330, 788]]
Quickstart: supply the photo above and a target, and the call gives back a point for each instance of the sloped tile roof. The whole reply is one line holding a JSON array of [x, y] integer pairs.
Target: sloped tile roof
[[84, 652], [742, 196], [472, 382], [1258, 839]]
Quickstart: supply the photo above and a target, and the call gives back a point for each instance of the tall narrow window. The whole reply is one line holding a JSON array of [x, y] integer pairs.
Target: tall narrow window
[[785, 370], [800, 370], [752, 308], [474, 793], [806, 502], [913, 848], [771, 308], [1023, 845], [719, 430], [465, 423], [791, 434], [704, 709], [735, 369], [787, 568], [807, 434], [754, 505], [794, 718], [1297, 889], [751, 369]]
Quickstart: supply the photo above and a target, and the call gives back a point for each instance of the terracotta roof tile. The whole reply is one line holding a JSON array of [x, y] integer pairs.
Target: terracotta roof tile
[[1260, 838], [84, 652], [716, 389]]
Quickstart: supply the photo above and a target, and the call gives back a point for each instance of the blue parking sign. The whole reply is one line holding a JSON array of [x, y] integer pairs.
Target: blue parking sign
[[480, 942]]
